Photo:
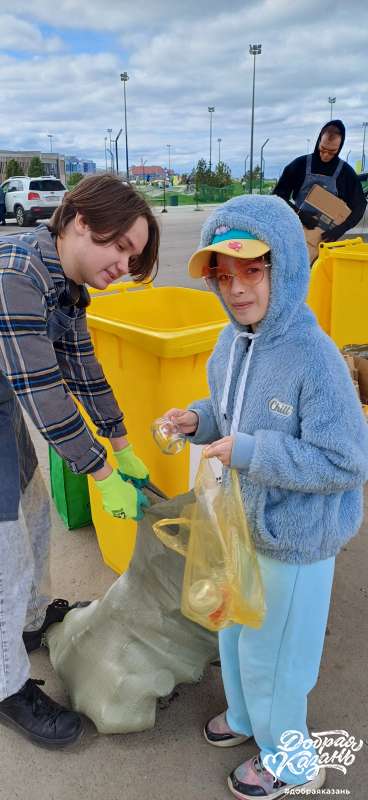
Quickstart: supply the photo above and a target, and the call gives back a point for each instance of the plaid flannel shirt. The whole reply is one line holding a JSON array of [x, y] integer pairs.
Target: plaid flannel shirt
[[43, 372]]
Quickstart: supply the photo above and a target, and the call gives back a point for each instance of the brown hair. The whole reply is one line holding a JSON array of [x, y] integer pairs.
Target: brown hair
[[110, 208]]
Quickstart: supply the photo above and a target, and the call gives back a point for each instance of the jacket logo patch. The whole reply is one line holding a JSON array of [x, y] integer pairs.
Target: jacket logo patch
[[278, 407]]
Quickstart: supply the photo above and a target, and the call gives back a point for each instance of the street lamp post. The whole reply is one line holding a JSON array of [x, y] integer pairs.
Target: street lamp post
[[219, 144], [105, 154], [261, 173], [245, 171], [51, 136], [211, 110], [117, 152], [164, 210], [109, 131], [254, 50], [331, 101], [111, 156], [363, 150], [169, 149], [308, 143], [125, 77]]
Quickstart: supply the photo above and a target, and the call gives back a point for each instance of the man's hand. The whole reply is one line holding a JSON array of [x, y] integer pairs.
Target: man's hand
[[131, 467], [331, 236], [308, 219], [185, 421], [121, 499], [221, 449]]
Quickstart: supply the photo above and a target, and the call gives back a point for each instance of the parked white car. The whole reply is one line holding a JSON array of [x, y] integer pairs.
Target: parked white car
[[28, 199]]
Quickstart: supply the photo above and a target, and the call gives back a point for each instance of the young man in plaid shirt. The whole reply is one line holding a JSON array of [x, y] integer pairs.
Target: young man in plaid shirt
[[102, 230]]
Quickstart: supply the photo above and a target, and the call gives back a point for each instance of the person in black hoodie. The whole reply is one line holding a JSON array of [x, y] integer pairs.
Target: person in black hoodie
[[325, 168]]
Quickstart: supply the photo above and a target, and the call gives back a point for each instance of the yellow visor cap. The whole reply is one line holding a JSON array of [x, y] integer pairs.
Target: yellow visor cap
[[239, 244]]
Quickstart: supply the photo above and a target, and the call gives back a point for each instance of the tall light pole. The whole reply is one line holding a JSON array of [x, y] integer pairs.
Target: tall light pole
[[125, 77], [308, 143], [219, 144], [245, 172], [105, 154], [363, 150], [254, 50], [261, 173], [117, 151], [51, 136], [331, 101], [109, 131], [211, 110], [164, 210], [169, 149]]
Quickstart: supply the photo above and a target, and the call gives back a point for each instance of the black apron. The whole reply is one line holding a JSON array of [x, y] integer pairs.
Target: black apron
[[18, 459]]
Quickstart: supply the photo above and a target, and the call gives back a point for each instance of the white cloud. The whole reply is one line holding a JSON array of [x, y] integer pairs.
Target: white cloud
[[118, 14], [181, 59], [20, 35]]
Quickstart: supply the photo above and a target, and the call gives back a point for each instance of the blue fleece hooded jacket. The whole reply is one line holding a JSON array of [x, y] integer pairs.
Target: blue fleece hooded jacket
[[301, 439]]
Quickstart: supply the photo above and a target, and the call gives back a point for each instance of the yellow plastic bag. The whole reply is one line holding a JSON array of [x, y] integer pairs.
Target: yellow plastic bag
[[222, 581]]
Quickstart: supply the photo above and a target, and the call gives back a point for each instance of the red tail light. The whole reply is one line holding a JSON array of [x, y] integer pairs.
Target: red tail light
[[33, 196]]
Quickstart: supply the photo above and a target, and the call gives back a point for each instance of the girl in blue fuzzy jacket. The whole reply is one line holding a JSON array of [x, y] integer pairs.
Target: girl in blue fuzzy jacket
[[283, 411]]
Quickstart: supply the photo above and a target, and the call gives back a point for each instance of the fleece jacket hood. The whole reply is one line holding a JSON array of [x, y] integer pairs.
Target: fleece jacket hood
[[269, 218]]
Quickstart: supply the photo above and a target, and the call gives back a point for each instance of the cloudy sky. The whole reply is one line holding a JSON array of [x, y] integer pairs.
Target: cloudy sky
[[60, 65]]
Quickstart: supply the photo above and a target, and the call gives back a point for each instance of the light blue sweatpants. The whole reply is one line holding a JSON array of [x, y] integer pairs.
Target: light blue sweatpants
[[268, 673]]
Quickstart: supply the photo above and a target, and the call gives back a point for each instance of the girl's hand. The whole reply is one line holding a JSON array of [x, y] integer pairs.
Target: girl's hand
[[185, 421], [221, 449]]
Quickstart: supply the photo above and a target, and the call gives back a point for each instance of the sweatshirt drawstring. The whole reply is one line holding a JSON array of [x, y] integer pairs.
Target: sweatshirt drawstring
[[241, 390]]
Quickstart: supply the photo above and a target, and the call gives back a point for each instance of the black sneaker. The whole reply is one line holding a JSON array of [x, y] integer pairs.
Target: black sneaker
[[55, 612], [31, 712]]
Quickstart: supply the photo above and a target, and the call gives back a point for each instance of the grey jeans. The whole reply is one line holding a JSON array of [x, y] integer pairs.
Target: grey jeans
[[24, 581]]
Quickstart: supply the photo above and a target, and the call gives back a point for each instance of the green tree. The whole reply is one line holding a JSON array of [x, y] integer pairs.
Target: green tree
[[74, 178], [222, 175], [35, 168], [219, 178], [255, 178], [12, 168], [202, 172]]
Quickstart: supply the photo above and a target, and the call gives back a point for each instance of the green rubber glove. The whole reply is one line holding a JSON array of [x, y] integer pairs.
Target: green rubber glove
[[131, 467], [121, 499]]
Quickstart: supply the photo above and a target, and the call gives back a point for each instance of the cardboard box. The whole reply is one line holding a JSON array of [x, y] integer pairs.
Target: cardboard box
[[329, 209], [358, 368], [361, 366], [313, 238]]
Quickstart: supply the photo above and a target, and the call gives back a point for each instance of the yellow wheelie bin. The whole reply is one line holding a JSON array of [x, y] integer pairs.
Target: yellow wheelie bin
[[338, 290], [153, 344]]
